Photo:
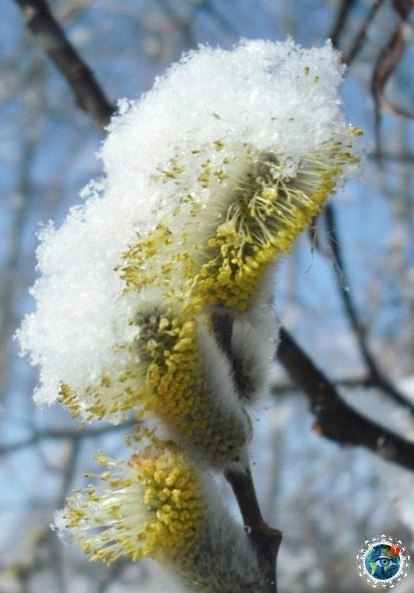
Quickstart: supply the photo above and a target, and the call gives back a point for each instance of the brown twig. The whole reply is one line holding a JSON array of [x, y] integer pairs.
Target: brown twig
[[281, 388], [51, 38], [341, 21], [264, 539], [62, 434], [336, 420], [361, 36], [376, 376], [385, 64]]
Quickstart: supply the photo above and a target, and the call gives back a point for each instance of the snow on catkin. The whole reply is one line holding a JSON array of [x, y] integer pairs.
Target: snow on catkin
[[207, 112]]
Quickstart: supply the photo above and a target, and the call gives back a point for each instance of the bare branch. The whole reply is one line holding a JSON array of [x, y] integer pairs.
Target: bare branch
[[265, 539], [341, 21], [357, 382], [376, 376], [335, 420], [62, 434], [361, 36], [402, 158], [51, 38], [386, 62], [402, 8]]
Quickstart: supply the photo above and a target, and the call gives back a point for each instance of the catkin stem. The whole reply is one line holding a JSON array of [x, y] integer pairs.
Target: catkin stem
[[265, 539]]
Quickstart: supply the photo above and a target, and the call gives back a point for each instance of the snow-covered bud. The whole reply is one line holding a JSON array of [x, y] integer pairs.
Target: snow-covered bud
[[208, 180], [223, 242], [234, 195], [158, 506], [261, 216]]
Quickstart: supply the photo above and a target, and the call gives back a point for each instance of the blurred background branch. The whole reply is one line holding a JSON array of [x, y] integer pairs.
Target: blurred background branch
[[51, 38]]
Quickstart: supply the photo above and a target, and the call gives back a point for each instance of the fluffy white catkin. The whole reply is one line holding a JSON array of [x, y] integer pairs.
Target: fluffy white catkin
[[225, 561]]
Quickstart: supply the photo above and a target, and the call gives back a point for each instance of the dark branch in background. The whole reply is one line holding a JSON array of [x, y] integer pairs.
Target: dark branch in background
[[62, 434], [285, 388], [402, 8], [385, 66], [335, 420], [375, 376], [342, 17], [51, 38], [361, 36], [401, 158], [387, 60]]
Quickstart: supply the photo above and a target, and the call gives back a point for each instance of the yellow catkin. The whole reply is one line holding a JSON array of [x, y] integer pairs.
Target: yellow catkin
[[150, 507], [221, 237], [68, 398], [169, 379], [214, 250], [115, 394], [179, 392]]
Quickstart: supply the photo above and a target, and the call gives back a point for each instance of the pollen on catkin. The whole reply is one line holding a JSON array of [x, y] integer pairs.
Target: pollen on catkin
[[189, 386], [265, 213], [180, 375], [205, 185], [150, 506], [158, 505], [257, 203]]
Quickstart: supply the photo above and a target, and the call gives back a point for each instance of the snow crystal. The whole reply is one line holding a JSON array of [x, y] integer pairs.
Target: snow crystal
[[273, 96]]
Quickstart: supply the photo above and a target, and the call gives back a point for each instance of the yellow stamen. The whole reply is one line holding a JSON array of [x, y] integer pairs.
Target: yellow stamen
[[178, 390], [150, 507]]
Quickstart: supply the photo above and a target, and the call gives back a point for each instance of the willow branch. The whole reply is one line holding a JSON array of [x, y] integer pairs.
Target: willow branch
[[376, 376], [335, 419], [264, 539], [52, 39], [341, 21], [92, 100], [362, 34], [62, 434]]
